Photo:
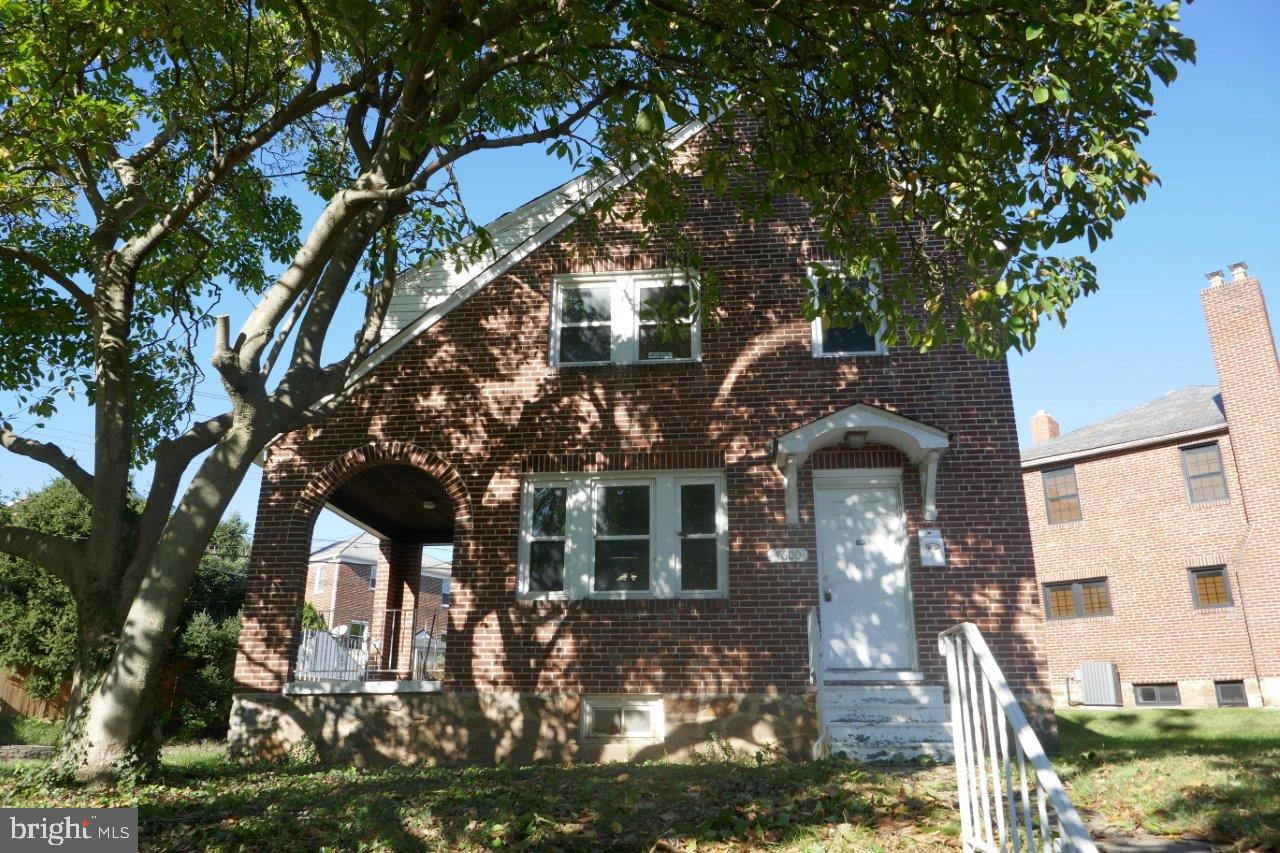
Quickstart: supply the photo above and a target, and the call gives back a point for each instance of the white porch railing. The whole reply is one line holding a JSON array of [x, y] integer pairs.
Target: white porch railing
[[382, 645], [994, 743]]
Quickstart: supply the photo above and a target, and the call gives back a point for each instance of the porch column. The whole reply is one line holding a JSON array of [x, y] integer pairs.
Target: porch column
[[395, 596]]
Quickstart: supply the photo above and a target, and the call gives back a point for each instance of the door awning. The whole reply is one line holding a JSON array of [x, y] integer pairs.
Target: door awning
[[922, 444]]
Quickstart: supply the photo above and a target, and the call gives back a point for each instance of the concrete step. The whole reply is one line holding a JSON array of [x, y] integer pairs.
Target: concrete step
[[886, 716], [879, 722]]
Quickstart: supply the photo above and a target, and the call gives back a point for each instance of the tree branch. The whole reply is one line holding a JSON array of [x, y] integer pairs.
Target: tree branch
[[51, 455], [41, 265], [55, 554]]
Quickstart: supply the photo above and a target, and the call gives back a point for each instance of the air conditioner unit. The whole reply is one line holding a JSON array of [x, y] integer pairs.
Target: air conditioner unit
[[1100, 682]]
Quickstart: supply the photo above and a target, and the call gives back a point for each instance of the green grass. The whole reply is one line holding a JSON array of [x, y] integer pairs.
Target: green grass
[[29, 730], [1207, 774], [1210, 774]]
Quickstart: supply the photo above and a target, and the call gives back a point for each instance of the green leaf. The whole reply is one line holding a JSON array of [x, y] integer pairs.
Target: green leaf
[[1034, 31], [1040, 95]]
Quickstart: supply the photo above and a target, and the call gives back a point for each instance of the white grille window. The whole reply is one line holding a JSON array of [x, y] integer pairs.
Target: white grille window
[[624, 535], [625, 318]]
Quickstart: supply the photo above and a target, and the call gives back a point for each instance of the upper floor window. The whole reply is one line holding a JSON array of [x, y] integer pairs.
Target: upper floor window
[[373, 576], [322, 572], [1210, 588], [1077, 599], [623, 535], [1202, 467], [624, 318], [845, 336], [1061, 496]]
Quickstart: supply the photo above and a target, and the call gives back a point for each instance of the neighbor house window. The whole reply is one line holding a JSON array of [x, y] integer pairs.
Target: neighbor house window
[[1156, 694], [1210, 588], [1202, 467], [373, 576], [322, 571], [608, 717], [624, 318], [1077, 599], [445, 595], [1231, 694], [623, 535], [357, 629], [842, 337], [1061, 497]]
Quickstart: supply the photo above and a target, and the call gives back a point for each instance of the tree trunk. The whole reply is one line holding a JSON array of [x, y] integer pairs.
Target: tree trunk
[[114, 732], [97, 634]]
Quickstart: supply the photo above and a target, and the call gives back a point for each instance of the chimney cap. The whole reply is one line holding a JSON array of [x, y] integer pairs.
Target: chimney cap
[[1215, 278], [1239, 270]]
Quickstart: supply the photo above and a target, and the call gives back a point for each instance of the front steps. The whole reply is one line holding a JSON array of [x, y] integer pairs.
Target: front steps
[[878, 721]]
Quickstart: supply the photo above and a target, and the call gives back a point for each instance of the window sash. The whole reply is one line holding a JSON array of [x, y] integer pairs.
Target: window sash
[[626, 321], [1210, 588], [1202, 468], [719, 535], [1081, 599], [818, 333], [321, 570], [596, 711], [664, 541], [1157, 694], [1061, 496], [1231, 694], [598, 488]]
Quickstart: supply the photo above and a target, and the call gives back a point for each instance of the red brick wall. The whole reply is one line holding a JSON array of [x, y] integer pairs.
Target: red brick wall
[[475, 399], [1140, 531]]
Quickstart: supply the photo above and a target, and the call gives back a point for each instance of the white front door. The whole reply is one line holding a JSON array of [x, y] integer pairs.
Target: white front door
[[862, 573]]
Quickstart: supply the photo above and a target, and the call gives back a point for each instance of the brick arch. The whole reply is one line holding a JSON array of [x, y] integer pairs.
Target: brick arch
[[377, 455]]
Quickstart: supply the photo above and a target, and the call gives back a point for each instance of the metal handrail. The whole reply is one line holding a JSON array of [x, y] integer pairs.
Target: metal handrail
[[993, 743]]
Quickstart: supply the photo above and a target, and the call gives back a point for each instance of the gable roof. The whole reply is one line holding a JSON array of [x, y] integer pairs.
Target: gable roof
[[423, 296], [362, 550], [1194, 410]]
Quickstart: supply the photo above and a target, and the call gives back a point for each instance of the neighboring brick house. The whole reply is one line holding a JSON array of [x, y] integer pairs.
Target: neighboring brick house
[[647, 526], [341, 583], [1157, 531]]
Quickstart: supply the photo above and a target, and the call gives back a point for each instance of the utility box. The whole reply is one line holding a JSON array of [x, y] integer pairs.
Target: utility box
[[1100, 683]]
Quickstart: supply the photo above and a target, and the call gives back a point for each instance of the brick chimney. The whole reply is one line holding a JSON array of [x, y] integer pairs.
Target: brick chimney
[[1043, 427], [1249, 376]]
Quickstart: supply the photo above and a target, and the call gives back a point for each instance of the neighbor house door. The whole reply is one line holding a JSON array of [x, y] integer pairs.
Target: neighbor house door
[[862, 572]]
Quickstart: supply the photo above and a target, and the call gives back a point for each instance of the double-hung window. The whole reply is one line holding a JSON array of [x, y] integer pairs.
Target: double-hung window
[[843, 336], [625, 318], [1061, 496], [1202, 468], [624, 535]]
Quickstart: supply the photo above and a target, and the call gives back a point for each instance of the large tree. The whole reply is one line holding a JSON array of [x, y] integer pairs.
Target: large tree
[[154, 154]]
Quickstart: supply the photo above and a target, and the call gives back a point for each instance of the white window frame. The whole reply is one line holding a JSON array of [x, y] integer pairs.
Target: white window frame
[[373, 576], [598, 483], [591, 705], [815, 327], [721, 536], [624, 315], [317, 585], [664, 539], [364, 628], [527, 538]]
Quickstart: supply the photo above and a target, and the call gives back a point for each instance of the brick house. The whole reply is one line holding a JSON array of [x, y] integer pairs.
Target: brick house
[[660, 539], [1156, 531], [341, 584]]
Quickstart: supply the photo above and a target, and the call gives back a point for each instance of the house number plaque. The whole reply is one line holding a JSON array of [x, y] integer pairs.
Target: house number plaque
[[788, 555]]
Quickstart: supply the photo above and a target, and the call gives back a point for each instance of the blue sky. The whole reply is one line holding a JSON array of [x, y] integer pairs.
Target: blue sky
[[1213, 143]]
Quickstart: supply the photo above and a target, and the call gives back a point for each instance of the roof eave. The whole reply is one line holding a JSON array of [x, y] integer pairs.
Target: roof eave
[[1106, 450]]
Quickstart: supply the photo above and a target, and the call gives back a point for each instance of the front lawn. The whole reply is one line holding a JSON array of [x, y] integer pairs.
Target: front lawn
[[29, 730], [1210, 774], [1204, 774], [204, 803]]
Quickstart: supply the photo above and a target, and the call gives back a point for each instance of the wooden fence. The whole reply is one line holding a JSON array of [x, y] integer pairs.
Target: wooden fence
[[16, 701]]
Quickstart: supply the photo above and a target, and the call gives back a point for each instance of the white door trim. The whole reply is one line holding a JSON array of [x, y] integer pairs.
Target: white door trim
[[886, 478]]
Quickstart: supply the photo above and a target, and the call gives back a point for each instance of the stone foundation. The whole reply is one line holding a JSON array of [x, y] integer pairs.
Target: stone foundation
[[1193, 693], [490, 728]]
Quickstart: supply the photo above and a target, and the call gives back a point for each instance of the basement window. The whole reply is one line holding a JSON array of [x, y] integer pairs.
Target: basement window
[[1156, 694], [610, 717], [1231, 694], [625, 318]]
